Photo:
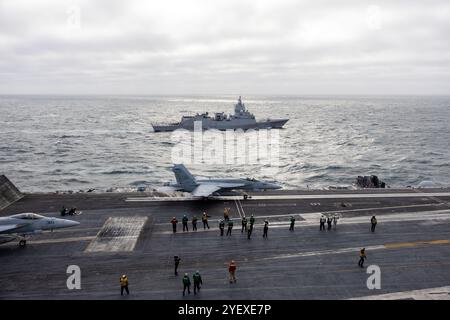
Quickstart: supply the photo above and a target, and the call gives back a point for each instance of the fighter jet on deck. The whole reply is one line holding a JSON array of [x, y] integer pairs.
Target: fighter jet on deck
[[206, 187], [17, 226]]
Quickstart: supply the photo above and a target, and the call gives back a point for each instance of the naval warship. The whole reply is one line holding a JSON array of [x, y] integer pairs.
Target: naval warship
[[241, 119]]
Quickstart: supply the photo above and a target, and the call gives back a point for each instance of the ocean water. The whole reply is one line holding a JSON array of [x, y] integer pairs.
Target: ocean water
[[51, 143]]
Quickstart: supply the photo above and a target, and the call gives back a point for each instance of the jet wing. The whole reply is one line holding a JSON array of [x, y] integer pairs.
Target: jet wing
[[206, 189], [8, 228]]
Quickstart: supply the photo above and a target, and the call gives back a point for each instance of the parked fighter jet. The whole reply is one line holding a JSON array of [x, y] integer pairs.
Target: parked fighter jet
[[206, 187], [17, 226]]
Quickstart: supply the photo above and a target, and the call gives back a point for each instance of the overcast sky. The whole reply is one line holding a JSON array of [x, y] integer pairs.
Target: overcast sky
[[224, 46]]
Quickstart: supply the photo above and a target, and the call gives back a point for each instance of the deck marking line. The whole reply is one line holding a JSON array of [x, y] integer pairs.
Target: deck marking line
[[356, 249]]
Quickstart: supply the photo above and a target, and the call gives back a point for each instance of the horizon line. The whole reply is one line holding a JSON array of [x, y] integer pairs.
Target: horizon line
[[226, 94]]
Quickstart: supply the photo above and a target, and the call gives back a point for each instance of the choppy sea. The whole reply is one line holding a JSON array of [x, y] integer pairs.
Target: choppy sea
[[51, 143]]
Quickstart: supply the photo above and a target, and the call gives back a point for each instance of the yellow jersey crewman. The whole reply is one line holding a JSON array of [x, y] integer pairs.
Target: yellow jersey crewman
[[124, 284], [362, 257]]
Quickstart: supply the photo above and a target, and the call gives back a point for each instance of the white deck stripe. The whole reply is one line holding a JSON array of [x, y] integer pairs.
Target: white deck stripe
[[300, 196], [387, 246], [164, 199], [339, 212], [441, 293], [337, 196], [118, 234], [236, 202], [241, 208], [264, 205], [323, 252], [313, 218]]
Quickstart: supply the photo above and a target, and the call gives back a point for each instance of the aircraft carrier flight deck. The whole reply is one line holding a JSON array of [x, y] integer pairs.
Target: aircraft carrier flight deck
[[130, 233]]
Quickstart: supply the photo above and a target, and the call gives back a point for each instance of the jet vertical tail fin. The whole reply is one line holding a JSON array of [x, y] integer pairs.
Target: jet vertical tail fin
[[184, 178]]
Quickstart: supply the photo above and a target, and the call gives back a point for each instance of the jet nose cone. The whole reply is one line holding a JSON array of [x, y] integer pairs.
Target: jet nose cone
[[69, 223], [73, 223]]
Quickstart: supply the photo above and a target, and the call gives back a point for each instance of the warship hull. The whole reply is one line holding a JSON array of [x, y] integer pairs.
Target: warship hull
[[208, 124]]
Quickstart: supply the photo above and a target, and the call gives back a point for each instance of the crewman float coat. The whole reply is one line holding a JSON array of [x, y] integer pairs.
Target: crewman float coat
[[123, 281]]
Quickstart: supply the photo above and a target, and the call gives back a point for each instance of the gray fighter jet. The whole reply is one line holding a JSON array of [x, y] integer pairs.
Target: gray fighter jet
[[17, 226], [206, 187]]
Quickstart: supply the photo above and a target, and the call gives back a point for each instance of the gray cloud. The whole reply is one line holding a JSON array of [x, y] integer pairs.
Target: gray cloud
[[232, 46]]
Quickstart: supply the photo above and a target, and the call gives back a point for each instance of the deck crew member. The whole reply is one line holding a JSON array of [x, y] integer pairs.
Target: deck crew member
[[174, 222], [373, 222], [230, 227], [221, 226], [322, 222], [194, 223], [124, 284], [197, 281], [250, 228], [226, 214], [205, 220], [186, 284], [335, 220], [291, 227], [252, 221], [232, 270], [266, 228], [244, 224], [185, 223], [249, 232], [329, 221], [177, 263], [362, 257]]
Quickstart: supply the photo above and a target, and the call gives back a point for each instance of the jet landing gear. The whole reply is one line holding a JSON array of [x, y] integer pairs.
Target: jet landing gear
[[245, 196], [22, 243]]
